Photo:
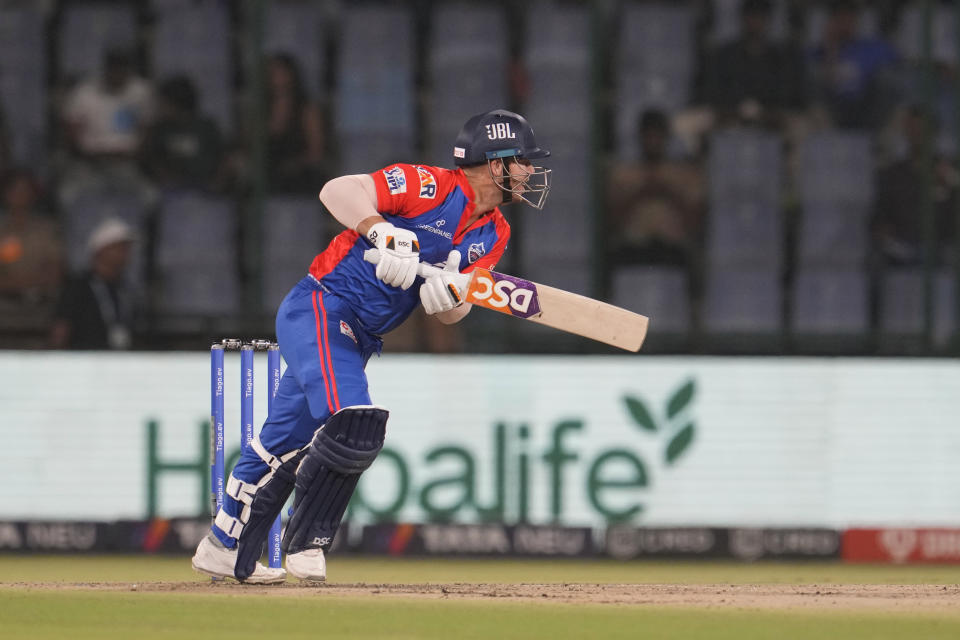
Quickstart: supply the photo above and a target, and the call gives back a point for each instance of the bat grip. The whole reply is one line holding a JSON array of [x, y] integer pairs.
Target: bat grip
[[425, 270]]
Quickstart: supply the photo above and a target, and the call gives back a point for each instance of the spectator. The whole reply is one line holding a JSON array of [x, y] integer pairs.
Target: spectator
[[850, 72], [105, 120], [655, 207], [98, 308], [754, 79], [183, 147], [295, 136], [897, 224], [31, 256]]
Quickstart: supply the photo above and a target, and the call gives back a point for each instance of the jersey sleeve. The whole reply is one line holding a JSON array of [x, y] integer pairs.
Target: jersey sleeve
[[490, 259], [408, 190]]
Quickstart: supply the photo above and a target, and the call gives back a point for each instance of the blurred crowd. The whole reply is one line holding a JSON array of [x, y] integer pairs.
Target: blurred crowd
[[125, 132], [847, 81]]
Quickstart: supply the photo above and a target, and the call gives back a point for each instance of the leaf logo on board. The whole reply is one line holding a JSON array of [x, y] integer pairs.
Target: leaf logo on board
[[677, 429]]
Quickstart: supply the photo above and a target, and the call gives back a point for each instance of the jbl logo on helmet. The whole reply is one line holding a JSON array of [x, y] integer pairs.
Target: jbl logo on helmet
[[500, 131]]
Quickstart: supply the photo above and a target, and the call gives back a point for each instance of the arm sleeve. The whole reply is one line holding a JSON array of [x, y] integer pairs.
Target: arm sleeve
[[350, 199]]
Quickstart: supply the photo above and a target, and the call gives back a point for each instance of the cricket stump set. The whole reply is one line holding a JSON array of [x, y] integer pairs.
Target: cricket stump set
[[217, 434]]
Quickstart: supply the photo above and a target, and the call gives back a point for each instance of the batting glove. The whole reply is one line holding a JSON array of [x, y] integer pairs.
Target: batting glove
[[445, 290], [399, 254]]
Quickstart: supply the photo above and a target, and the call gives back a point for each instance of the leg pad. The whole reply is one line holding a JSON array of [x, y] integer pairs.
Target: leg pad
[[341, 450], [262, 511]]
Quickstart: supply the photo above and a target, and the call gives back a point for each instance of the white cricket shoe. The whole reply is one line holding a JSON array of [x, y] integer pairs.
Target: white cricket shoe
[[214, 559], [308, 565]]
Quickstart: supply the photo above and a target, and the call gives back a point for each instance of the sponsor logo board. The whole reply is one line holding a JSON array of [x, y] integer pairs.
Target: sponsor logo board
[[477, 540], [902, 545]]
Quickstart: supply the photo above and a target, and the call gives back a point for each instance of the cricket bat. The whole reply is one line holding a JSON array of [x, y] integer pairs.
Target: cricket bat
[[550, 306]]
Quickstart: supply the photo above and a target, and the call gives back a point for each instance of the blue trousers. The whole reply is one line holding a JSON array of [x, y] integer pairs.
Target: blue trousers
[[326, 352]]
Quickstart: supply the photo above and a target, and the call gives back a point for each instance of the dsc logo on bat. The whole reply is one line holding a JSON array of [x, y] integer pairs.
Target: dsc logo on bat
[[503, 293]]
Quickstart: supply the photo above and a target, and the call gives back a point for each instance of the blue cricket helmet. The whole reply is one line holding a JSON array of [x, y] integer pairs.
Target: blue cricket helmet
[[495, 134]]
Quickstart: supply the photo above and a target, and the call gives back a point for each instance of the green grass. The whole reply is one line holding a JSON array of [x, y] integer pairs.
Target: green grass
[[156, 616], [39, 614], [405, 570]]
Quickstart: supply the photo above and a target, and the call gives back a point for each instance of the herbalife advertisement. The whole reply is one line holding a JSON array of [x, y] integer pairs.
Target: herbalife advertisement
[[580, 441]]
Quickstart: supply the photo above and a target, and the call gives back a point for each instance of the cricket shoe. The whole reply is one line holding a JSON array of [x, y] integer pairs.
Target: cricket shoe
[[308, 564], [214, 559]]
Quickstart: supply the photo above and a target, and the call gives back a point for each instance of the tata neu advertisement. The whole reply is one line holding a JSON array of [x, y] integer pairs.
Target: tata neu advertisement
[[899, 546], [643, 442]]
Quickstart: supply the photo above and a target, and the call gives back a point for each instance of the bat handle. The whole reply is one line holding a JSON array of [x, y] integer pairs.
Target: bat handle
[[425, 270]]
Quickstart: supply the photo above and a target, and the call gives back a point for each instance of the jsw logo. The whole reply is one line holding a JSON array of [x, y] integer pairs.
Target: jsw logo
[[502, 294], [500, 131]]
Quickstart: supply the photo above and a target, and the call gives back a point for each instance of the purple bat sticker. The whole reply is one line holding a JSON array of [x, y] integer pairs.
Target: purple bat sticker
[[504, 293]]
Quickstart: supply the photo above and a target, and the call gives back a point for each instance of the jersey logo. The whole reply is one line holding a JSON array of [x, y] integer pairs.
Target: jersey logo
[[347, 331], [436, 229], [428, 184], [396, 181], [475, 252], [500, 131]]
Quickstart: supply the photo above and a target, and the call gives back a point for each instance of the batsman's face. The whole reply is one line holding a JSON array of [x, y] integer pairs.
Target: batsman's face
[[522, 180], [520, 171]]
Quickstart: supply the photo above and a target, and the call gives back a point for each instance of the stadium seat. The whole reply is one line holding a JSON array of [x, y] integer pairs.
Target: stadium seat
[[566, 219], [654, 64], [375, 72], [830, 302], [902, 305], [833, 235], [87, 30], [197, 261], [658, 292], [297, 29], [363, 153], [868, 25], [23, 87], [194, 39], [745, 164], [558, 60], [744, 233], [375, 101], [742, 301], [836, 168], [199, 292], [726, 21], [564, 274], [462, 33], [292, 236], [909, 34]]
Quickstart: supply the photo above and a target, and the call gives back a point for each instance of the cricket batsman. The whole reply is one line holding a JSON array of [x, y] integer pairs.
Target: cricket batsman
[[323, 430]]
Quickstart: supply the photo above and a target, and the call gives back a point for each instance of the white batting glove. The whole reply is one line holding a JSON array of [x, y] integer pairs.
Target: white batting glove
[[446, 290], [399, 254]]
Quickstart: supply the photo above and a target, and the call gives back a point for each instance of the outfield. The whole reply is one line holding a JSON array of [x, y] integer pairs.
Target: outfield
[[160, 597]]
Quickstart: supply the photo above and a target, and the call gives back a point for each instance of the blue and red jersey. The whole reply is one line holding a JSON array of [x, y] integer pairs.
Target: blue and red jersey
[[434, 203]]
